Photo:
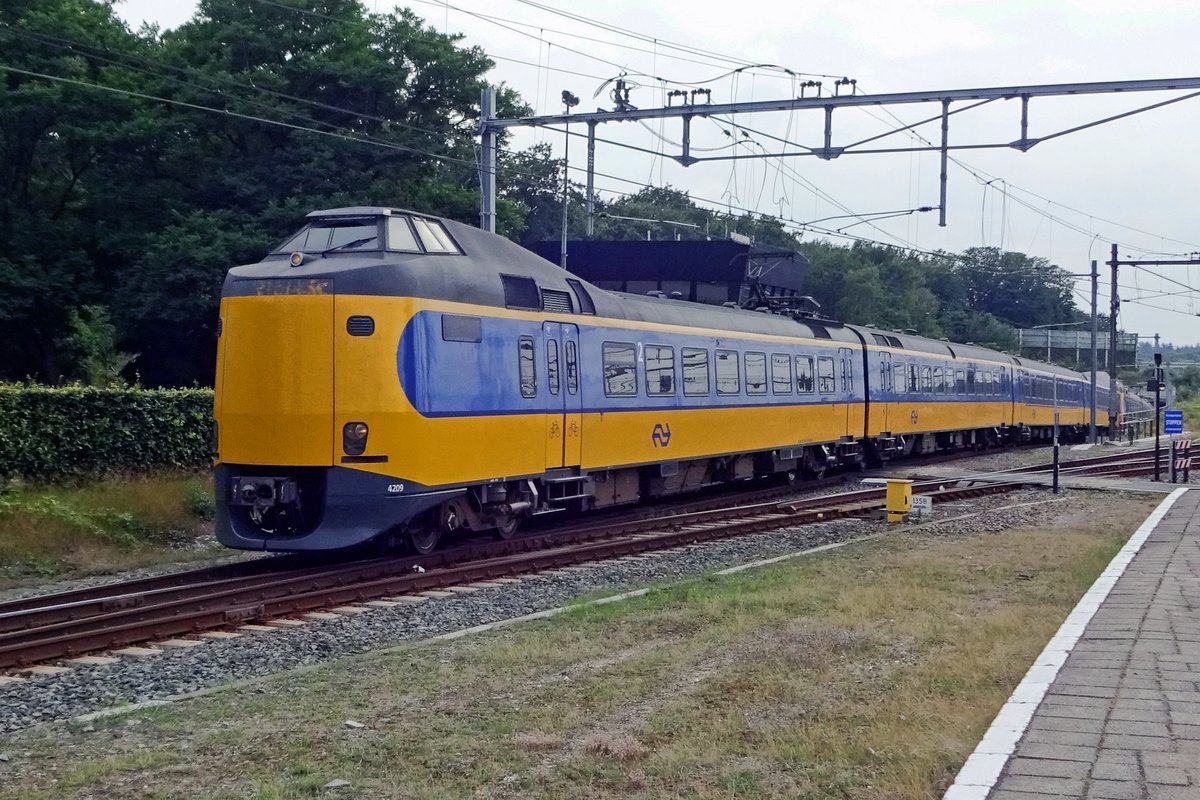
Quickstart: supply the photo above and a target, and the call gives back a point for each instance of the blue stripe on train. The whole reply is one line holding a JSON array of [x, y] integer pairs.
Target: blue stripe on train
[[450, 378]]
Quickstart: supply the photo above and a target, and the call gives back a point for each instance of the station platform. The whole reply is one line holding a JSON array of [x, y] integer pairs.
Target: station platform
[[1111, 707]]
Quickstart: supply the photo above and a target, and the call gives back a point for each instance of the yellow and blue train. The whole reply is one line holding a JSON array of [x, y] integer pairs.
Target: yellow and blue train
[[391, 375]]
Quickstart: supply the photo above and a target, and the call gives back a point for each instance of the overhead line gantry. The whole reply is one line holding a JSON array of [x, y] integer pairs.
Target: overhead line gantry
[[689, 109]]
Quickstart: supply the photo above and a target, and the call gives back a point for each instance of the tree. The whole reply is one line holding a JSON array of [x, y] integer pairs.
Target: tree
[[59, 147]]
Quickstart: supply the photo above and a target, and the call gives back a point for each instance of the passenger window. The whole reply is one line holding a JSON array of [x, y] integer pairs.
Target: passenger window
[[971, 382], [913, 374], [781, 374], [926, 380], [552, 364], [825, 381], [728, 376], [527, 367], [620, 369], [660, 370], [804, 375], [695, 371], [572, 368], [937, 380], [960, 382], [901, 373], [756, 373]]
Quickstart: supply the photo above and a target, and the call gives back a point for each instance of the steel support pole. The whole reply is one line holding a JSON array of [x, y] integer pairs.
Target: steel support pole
[[1157, 447], [591, 179], [487, 160], [562, 261], [1095, 335], [1114, 307], [945, 162]]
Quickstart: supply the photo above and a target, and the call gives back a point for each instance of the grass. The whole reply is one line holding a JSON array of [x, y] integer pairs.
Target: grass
[[867, 672], [100, 526]]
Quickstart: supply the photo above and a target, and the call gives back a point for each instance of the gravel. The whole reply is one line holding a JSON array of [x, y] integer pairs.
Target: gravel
[[178, 671]]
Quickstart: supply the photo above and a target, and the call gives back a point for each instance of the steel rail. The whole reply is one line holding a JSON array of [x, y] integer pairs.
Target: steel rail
[[34, 634]]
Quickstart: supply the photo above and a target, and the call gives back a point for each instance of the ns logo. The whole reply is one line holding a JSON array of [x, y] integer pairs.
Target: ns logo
[[661, 435]]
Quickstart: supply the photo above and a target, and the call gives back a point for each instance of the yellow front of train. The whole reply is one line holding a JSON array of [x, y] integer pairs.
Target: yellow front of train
[[308, 408]]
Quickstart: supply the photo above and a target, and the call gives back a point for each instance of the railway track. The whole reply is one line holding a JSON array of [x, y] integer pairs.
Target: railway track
[[40, 629]]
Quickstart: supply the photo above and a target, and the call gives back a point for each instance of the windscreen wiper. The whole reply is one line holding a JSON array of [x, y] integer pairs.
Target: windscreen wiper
[[352, 243]]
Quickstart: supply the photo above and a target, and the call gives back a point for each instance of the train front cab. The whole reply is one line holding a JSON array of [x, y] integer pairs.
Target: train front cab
[[303, 421]]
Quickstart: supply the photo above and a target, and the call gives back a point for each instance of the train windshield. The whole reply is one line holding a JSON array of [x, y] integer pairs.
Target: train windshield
[[341, 234]]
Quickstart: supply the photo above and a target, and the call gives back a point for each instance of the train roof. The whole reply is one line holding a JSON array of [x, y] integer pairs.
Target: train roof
[[477, 274]]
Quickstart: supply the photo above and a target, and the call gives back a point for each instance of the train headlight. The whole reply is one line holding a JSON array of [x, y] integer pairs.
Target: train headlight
[[297, 259], [354, 438]]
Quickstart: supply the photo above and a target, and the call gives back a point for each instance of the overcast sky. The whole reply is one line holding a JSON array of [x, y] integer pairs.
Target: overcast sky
[[1132, 181]]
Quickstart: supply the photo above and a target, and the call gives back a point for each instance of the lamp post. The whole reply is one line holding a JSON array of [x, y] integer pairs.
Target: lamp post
[[569, 101]]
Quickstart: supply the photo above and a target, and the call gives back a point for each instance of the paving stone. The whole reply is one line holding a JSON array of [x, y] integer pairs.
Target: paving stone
[[93, 661], [287, 623], [1114, 790], [1138, 742], [1047, 767], [1057, 752], [462, 589], [1043, 784], [435, 593], [408, 599], [1113, 771], [179, 644], [1166, 775], [1083, 738], [381, 603], [350, 610], [218, 635], [258, 628], [1115, 726], [323, 616]]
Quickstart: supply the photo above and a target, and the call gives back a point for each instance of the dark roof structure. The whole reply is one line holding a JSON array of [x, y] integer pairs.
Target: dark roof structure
[[714, 272]]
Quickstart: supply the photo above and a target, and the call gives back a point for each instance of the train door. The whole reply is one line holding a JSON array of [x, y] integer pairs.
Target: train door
[[564, 406], [882, 406], [846, 356]]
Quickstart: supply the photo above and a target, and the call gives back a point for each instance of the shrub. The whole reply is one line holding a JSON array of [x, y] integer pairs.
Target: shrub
[[48, 433]]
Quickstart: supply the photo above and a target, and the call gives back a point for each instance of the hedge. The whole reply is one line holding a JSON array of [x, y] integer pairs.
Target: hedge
[[48, 433]]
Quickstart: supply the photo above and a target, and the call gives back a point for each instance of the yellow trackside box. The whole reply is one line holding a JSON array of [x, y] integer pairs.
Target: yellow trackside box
[[898, 500]]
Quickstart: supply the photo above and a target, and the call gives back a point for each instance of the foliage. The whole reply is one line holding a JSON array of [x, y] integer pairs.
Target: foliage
[[139, 206], [360, 109], [49, 433], [91, 348]]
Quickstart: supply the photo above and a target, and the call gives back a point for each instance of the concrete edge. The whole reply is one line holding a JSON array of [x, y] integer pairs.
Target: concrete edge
[[983, 767]]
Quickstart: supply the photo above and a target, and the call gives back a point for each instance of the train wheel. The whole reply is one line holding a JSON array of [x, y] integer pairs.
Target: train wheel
[[507, 525], [426, 531], [423, 538]]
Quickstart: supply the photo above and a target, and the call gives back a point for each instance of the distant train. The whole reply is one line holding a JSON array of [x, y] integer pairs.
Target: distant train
[[387, 374]]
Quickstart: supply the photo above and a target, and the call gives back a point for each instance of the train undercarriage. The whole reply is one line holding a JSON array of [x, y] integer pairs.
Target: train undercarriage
[[311, 508]]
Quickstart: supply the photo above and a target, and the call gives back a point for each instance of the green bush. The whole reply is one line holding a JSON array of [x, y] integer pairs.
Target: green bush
[[48, 433]]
